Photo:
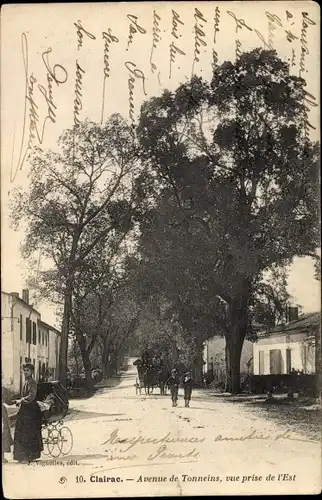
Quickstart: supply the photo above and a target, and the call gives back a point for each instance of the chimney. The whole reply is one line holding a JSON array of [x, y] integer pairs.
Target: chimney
[[25, 295], [293, 314], [15, 294]]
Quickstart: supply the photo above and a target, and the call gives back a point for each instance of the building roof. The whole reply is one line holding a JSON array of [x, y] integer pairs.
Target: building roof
[[41, 322], [305, 322], [30, 307]]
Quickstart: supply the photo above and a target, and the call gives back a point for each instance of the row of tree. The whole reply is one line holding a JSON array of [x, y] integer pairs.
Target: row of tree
[[214, 190]]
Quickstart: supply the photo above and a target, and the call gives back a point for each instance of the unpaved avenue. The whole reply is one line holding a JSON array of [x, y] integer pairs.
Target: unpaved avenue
[[212, 448]]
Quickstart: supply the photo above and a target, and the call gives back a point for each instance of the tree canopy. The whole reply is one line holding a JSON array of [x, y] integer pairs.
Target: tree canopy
[[237, 177]]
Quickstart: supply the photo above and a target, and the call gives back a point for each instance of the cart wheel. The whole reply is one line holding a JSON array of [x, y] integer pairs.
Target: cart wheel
[[53, 443], [65, 440], [45, 434]]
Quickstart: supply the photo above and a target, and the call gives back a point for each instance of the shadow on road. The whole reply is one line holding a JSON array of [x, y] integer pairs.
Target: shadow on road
[[80, 415]]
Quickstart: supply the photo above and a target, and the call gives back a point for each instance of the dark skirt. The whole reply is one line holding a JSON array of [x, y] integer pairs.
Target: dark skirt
[[27, 439], [7, 440]]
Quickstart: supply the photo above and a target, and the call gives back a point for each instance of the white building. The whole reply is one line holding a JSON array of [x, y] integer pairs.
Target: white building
[[287, 346], [26, 338], [214, 356]]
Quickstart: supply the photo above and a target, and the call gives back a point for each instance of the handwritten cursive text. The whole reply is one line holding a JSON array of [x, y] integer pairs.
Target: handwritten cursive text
[[80, 34], [174, 49], [134, 28], [199, 36]]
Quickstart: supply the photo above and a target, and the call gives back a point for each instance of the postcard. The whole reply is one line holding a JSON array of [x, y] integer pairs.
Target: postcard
[[160, 249]]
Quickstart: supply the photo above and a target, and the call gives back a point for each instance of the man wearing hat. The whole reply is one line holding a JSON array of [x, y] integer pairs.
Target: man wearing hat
[[187, 385], [173, 383]]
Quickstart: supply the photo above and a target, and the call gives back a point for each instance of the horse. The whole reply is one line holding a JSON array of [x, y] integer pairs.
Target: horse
[[163, 375], [149, 379]]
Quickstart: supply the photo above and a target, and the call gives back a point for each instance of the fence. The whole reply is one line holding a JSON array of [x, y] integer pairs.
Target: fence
[[294, 383]]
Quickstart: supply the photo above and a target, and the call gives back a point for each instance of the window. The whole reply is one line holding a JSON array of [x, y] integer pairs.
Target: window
[[261, 363], [46, 339], [275, 361], [288, 360], [33, 362], [39, 337], [39, 370], [34, 333], [42, 338], [28, 330], [21, 327]]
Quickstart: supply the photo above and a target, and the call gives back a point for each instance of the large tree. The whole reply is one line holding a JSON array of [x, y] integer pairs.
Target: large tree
[[232, 154], [80, 196], [96, 283]]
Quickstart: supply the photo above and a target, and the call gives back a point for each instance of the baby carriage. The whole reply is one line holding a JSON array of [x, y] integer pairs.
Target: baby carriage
[[52, 399]]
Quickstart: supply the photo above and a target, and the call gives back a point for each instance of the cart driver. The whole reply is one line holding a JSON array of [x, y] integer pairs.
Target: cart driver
[[145, 359]]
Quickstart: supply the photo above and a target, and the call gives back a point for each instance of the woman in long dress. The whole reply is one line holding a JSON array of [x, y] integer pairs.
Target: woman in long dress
[[27, 438]]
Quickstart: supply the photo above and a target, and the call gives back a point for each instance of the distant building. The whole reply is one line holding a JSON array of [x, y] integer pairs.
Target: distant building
[[214, 356], [287, 346], [26, 338]]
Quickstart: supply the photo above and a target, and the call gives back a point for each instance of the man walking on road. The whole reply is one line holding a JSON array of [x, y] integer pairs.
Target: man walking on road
[[173, 384], [187, 384]]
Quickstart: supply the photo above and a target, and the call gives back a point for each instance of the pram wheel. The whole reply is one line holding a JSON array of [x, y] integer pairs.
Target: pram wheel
[[65, 441], [45, 433]]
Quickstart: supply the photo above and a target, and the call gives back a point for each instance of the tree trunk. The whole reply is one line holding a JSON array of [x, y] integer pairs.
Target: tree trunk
[[63, 349], [234, 342], [113, 363], [234, 347], [88, 369], [105, 359], [173, 354], [85, 358], [76, 357], [227, 363]]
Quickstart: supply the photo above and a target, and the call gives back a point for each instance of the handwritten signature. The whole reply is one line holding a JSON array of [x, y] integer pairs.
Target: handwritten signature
[[35, 130]]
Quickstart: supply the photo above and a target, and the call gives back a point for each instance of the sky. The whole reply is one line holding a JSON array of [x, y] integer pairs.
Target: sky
[[49, 41]]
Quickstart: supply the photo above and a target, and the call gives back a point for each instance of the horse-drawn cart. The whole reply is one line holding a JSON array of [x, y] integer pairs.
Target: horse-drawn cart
[[52, 398], [150, 376]]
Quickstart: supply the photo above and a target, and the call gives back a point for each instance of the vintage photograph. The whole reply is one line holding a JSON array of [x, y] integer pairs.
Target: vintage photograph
[[161, 272]]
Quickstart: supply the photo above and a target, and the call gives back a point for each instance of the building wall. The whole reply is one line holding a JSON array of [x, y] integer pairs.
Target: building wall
[[301, 354], [16, 350], [6, 342], [215, 349]]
